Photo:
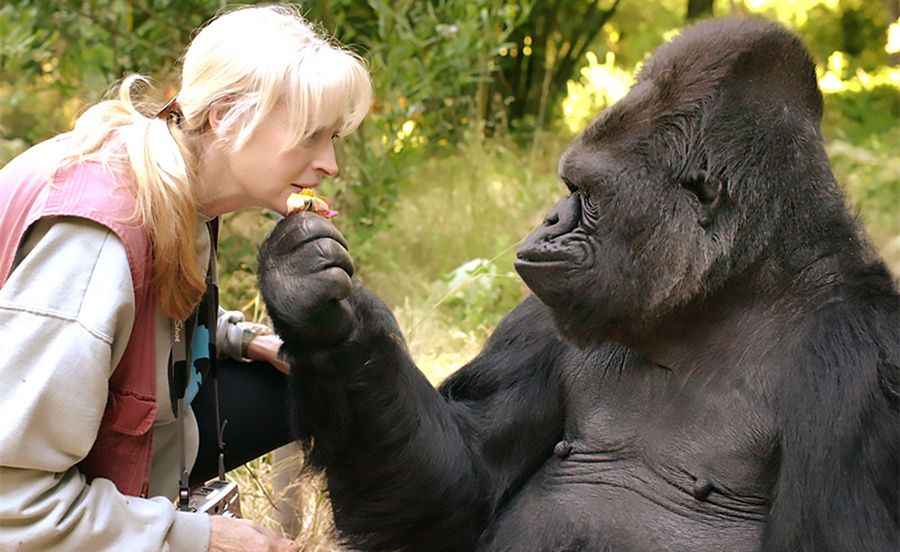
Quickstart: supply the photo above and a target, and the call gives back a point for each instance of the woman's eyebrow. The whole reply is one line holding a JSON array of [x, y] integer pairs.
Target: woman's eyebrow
[[311, 137], [319, 131]]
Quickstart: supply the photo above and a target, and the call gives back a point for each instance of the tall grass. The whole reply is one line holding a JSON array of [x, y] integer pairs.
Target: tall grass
[[477, 202]]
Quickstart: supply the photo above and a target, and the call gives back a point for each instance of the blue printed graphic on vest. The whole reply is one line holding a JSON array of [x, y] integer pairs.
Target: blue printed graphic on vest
[[200, 362]]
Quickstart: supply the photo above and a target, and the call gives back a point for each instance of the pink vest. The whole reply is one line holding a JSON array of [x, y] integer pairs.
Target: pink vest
[[122, 451]]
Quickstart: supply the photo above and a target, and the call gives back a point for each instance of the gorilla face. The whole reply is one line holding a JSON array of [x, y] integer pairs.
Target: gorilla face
[[690, 181], [693, 180], [636, 234]]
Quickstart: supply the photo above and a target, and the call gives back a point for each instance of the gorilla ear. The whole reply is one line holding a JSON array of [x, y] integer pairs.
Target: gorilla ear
[[710, 193]]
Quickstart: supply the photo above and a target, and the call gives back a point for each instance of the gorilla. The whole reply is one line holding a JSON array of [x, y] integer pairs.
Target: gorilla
[[709, 359]]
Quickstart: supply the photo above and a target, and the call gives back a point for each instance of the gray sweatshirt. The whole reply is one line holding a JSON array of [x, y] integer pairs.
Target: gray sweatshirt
[[66, 314]]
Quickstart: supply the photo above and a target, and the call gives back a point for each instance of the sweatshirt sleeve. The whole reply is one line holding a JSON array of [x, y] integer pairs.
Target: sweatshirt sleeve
[[66, 313], [230, 338]]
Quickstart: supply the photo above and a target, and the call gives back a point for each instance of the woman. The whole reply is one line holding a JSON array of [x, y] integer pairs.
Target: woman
[[104, 251]]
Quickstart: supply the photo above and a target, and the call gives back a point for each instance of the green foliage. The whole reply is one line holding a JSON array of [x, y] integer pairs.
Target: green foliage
[[84, 45], [58, 56], [871, 178], [638, 28], [430, 63], [600, 85], [547, 48], [855, 27], [240, 236], [863, 140], [863, 116], [477, 294], [429, 60], [477, 201]]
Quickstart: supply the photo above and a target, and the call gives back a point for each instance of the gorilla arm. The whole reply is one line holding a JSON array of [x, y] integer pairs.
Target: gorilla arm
[[408, 467], [838, 482]]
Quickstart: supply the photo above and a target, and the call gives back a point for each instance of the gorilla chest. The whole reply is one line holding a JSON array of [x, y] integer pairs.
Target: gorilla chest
[[649, 461], [713, 427]]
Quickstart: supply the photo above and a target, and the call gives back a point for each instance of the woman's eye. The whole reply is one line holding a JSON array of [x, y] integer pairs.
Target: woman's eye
[[318, 135]]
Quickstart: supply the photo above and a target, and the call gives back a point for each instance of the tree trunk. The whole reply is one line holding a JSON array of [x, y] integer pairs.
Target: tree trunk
[[698, 9], [560, 32]]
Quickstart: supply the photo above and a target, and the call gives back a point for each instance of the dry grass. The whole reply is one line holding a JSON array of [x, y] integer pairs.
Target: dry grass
[[274, 495]]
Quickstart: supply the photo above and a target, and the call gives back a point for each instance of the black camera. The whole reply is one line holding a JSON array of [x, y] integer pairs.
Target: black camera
[[216, 498]]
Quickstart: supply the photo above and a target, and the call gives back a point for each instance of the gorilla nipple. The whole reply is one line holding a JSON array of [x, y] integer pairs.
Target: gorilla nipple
[[562, 449], [702, 487]]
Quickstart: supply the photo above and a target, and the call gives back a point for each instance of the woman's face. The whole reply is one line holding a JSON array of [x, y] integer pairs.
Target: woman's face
[[262, 173]]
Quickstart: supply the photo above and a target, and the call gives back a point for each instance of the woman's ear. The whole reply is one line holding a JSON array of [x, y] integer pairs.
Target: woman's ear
[[215, 119]]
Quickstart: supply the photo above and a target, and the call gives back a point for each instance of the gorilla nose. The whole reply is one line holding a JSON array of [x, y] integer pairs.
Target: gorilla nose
[[545, 242], [563, 218]]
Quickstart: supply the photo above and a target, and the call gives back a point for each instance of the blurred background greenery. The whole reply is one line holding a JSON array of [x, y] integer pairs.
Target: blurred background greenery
[[475, 99]]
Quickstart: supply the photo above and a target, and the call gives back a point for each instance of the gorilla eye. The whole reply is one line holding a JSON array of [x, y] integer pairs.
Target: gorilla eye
[[573, 189]]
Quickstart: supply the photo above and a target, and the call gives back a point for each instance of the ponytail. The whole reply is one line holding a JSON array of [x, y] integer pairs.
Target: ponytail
[[152, 151]]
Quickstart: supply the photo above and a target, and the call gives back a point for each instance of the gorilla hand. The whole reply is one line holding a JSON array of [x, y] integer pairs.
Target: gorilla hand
[[305, 278]]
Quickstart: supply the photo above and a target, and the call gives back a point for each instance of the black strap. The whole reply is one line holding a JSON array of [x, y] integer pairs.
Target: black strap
[[180, 363], [212, 304]]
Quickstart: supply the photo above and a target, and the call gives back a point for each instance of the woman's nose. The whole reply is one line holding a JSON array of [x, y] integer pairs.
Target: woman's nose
[[326, 161]]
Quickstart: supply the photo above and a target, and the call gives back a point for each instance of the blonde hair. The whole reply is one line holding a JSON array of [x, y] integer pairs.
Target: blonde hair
[[245, 63]]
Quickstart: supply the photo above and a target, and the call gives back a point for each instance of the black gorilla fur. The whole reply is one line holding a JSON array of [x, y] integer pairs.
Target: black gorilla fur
[[709, 360]]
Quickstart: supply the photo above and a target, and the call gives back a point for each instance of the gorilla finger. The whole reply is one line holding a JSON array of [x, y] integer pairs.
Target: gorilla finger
[[322, 227], [304, 252], [329, 253], [304, 260], [300, 228], [334, 283], [324, 324], [305, 290]]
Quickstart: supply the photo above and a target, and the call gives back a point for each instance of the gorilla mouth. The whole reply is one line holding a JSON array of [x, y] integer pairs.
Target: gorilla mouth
[[573, 254], [530, 265], [543, 257], [546, 279], [550, 268]]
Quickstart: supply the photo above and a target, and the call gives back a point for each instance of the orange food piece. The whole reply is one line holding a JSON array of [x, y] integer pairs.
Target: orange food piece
[[308, 200]]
